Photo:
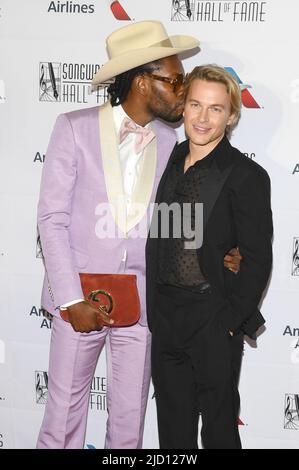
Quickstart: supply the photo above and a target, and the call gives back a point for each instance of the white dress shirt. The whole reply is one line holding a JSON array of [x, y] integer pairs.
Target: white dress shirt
[[129, 159]]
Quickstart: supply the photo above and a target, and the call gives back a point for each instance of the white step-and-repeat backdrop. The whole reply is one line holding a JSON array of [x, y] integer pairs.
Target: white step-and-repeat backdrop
[[49, 53]]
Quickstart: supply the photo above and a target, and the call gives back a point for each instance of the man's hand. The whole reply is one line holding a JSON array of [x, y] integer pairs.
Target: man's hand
[[85, 318], [232, 260]]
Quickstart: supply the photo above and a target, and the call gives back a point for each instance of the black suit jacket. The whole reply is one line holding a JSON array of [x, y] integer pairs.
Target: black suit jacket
[[237, 212]]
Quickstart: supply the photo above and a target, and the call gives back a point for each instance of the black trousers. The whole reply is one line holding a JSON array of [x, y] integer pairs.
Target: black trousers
[[195, 369]]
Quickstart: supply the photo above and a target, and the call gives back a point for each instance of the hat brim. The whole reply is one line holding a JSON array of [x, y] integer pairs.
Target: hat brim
[[137, 57]]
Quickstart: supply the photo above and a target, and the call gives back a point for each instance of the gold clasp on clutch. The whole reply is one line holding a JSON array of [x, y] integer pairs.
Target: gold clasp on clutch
[[105, 308]]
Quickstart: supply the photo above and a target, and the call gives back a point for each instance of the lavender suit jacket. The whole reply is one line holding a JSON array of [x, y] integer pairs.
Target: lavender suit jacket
[[73, 185]]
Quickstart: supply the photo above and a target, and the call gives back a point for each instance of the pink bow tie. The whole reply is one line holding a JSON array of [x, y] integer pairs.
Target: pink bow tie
[[143, 135]]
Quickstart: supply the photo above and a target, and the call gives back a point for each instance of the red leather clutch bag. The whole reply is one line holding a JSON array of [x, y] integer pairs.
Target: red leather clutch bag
[[115, 294]]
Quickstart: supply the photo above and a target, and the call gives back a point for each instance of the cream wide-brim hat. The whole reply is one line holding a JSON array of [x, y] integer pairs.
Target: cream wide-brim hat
[[138, 44]]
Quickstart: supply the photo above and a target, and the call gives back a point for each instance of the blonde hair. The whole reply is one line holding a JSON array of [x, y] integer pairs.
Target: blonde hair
[[215, 73]]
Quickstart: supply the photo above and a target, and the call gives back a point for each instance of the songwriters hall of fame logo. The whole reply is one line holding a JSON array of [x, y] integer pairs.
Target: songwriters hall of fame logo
[[295, 258], [291, 412], [69, 82], [41, 387], [219, 11], [50, 81], [97, 397], [98, 390], [182, 10]]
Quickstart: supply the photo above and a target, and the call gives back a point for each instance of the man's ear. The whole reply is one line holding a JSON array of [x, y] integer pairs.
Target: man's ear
[[140, 85], [231, 120]]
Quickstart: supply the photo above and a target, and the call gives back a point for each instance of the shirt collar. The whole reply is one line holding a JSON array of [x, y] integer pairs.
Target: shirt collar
[[207, 160], [118, 116]]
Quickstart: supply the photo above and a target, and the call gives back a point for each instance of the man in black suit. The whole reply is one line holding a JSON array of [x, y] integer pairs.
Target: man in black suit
[[198, 310]]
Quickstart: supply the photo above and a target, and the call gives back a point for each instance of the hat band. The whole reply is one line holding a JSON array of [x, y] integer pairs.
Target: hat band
[[165, 43]]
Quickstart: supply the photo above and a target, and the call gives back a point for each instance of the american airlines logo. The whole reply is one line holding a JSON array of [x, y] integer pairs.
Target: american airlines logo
[[118, 11], [2, 92], [247, 99]]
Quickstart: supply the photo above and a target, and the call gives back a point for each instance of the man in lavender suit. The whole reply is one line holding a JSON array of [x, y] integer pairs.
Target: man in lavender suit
[[101, 164]]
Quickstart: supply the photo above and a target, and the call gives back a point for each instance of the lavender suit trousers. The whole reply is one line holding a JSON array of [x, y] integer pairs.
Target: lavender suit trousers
[[73, 359]]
